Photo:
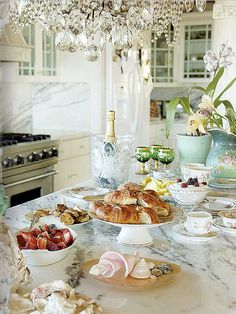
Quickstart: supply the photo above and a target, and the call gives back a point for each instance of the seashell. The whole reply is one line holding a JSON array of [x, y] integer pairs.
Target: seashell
[[127, 261], [141, 270], [156, 272], [151, 265]]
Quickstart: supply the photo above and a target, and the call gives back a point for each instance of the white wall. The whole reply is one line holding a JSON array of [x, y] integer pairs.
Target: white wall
[[73, 67], [225, 31]]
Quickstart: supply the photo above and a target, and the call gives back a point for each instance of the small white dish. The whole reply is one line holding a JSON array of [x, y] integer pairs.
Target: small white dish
[[183, 234], [218, 203], [46, 257], [229, 218], [188, 196], [218, 222]]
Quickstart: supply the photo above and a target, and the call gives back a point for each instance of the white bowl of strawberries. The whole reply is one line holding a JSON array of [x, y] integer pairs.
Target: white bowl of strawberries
[[47, 243], [188, 193]]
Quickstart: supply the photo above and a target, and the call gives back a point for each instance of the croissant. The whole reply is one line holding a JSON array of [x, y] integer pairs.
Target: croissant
[[131, 187], [124, 214], [161, 207], [123, 197]]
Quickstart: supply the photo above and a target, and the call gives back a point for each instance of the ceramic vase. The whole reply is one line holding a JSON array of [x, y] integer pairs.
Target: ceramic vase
[[193, 149], [222, 156]]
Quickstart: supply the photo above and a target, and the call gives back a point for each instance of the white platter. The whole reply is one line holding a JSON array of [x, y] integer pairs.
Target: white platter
[[218, 222], [218, 203], [137, 234], [182, 233]]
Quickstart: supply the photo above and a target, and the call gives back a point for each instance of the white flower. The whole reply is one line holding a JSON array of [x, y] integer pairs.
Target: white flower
[[195, 122], [206, 106]]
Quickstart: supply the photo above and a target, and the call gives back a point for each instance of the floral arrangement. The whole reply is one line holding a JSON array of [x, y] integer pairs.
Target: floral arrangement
[[207, 115]]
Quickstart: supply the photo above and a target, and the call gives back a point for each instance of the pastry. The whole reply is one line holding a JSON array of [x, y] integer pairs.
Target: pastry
[[147, 200], [67, 219], [124, 214], [123, 197], [130, 186]]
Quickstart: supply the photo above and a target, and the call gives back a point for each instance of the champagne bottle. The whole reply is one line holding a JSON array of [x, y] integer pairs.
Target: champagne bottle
[[110, 138]]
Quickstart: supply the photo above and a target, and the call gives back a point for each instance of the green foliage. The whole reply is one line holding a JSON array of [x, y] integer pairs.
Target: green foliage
[[170, 114], [231, 116], [215, 119], [210, 90]]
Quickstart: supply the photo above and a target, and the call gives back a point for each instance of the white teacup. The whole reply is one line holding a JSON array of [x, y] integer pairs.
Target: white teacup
[[201, 173], [198, 222], [186, 169]]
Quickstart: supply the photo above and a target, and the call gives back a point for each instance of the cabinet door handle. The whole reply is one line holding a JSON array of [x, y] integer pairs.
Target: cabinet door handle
[[81, 146]]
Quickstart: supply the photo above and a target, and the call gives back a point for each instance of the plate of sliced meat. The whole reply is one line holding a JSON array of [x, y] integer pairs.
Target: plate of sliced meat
[[129, 207]]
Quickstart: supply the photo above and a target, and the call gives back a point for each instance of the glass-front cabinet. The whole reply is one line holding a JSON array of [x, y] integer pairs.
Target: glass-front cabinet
[[162, 60], [183, 63], [197, 40]]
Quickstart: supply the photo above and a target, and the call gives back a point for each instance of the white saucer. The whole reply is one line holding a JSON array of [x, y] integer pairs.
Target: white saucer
[[218, 203], [182, 233], [218, 222]]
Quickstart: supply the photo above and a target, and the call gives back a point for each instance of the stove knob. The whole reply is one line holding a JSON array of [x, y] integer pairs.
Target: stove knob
[[19, 160], [53, 152], [33, 157], [44, 154], [8, 162]]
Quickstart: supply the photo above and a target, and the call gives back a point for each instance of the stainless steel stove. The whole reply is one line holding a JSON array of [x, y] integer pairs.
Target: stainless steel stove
[[27, 165]]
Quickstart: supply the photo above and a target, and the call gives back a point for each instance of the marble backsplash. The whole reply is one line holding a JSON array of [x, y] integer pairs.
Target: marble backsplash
[[51, 106]]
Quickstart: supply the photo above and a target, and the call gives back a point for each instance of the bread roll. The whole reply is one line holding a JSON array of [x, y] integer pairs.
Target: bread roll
[[147, 200], [130, 186], [123, 197]]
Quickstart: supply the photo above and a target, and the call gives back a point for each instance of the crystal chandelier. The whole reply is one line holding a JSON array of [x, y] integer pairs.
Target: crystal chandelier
[[87, 25]]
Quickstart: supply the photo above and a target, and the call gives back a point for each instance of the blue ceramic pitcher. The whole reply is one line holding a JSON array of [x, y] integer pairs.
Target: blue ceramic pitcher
[[222, 156]]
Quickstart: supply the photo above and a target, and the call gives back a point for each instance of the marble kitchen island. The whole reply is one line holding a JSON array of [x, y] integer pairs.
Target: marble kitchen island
[[206, 284]]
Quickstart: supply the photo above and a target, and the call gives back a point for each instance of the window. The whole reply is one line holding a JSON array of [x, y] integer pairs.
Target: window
[[28, 68], [43, 53], [162, 60], [197, 42]]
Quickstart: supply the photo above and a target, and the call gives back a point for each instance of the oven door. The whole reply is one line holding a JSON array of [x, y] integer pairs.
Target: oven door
[[28, 188]]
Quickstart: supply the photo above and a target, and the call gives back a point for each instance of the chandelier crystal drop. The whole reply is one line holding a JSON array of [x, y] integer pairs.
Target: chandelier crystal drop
[[87, 25]]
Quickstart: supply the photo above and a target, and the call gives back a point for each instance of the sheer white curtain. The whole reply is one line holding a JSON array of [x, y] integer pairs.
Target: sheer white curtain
[[131, 99]]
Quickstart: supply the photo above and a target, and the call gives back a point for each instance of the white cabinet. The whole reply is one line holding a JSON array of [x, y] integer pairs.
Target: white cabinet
[[73, 163], [184, 63]]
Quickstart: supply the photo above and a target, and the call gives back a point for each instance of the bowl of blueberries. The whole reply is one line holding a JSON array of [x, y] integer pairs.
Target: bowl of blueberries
[[188, 193]]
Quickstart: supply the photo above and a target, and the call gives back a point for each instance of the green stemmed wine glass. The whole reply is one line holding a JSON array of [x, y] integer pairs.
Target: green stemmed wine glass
[[154, 149], [166, 156], [142, 154]]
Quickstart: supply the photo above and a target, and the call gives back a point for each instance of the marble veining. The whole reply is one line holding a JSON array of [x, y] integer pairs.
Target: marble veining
[[206, 284], [57, 104]]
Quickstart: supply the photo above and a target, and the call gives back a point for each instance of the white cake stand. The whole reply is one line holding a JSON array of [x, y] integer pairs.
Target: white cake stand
[[138, 234]]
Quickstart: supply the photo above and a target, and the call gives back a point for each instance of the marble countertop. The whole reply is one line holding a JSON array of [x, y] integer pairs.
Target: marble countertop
[[206, 284]]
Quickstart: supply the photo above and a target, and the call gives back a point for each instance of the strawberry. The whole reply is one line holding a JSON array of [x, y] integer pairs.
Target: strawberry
[[45, 234], [31, 245], [61, 245], [42, 243], [56, 239], [68, 239], [21, 241], [26, 235], [35, 232], [44, 228], [52, 246]]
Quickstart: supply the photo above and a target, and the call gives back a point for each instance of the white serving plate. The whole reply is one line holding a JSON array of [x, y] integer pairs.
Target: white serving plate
[[218, 222], [45, 257], [183, 234], [218, 203]]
